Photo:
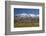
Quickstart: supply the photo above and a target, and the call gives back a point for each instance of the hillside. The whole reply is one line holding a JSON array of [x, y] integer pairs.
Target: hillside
[[27, 20]]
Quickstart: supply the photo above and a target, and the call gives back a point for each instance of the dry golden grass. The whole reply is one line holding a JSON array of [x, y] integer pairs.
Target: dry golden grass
[[26, 25]]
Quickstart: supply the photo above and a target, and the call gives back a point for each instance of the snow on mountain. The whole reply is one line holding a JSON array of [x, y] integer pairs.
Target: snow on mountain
[[26, 15], [33, 15]]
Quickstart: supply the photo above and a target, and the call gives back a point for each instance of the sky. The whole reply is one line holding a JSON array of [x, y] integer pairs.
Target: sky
[[25, 10]]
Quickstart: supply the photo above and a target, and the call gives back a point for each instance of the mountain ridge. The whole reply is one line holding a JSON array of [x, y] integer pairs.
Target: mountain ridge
[[26, 15]]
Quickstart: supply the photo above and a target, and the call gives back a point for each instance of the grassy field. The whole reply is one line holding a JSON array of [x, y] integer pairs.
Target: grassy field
[[26, 25], [26, 22]]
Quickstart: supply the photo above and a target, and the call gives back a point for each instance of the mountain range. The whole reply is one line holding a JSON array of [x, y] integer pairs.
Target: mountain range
[[26, 15]]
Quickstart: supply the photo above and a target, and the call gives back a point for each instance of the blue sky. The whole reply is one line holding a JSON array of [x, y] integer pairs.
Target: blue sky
[[25, 10]]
